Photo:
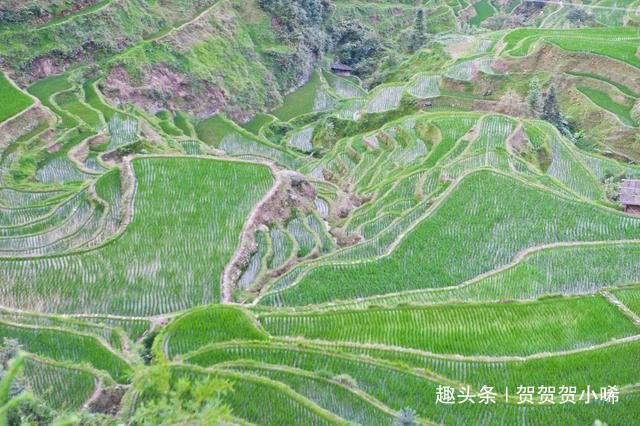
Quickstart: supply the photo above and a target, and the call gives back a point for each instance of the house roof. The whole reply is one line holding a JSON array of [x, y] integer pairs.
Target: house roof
[[337, 66], [630, 192]]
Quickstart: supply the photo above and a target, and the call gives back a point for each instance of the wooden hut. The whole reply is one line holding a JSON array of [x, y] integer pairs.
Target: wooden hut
[[630, 195], [341, 69]]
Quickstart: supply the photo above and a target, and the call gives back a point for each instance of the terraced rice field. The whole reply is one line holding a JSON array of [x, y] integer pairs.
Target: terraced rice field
[[343, 257], [47, 379], [452, 258], [617, 43], [157, 178], [505, 329], [14, 101]]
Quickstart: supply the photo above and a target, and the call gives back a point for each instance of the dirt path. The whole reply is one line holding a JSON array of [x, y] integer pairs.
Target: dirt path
[[458, 357], [196, 18], [246, 235], [78, 14], [622, 307], [97, 390]]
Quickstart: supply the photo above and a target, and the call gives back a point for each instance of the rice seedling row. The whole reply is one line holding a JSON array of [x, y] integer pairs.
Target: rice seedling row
[[397, 387], [66, 346], [493, 234], [507, 329], [194, 234], [47, 379]]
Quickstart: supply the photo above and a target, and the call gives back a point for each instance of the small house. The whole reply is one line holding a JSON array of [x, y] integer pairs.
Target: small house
[[630, 195], [341, 69]]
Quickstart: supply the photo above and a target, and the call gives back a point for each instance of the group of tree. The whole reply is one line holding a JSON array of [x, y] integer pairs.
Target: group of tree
[[579, 16], [302, 21], [545, 106]]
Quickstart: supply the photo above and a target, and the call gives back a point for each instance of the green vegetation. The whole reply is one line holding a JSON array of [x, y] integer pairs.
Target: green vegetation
[[630, 297], [47, 379], [213, 129], [505, 329], [212, 324], [397, 386], [45, 89], [69, 102], [484, 10], [624, 89], [617, 43], [92, 97], [547, 218], [13, 101], [186, 238], [154, 231], [301, 101], [602, 99], [62, 345]]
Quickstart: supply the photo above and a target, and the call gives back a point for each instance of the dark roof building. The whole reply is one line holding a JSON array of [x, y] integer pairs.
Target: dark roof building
[[630, 195], [340, 68]]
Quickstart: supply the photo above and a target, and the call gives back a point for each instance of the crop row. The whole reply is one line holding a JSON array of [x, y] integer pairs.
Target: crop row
[[62, 387], [470, 329], [66, 346], [482, 223], [397, 387], [170, 255]]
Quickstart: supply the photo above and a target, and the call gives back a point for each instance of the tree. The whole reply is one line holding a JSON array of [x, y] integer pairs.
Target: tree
[[418, 38], [164, 399], [407, 417], [550, 109], [534, 97], [357, 46], [579, 16]]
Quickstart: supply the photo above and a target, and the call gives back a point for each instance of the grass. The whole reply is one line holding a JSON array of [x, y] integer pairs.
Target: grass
[[107, 333], [182, 122], [484, 10], [210, 325], [605, 366], [257, 122], [177, 241], [13, 100], [325, 392], [343, 87], [603, 100], [93, 98], [213, 129], [565, 166], [224, 134], [301, 101], [501, 217], [47, 87], [278, 404], [624, 89], [69, 102], [505, 329]]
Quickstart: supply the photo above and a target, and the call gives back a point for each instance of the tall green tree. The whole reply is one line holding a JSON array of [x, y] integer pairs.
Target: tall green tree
[[534, 97], [419, 37]]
